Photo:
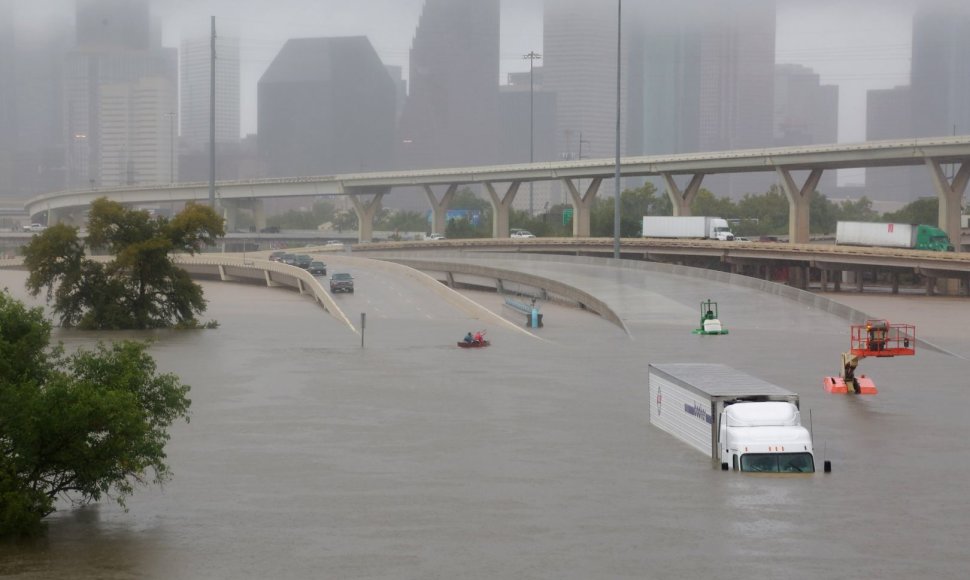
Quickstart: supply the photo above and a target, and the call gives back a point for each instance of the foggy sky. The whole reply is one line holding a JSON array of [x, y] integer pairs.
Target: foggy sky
[[857, 44]]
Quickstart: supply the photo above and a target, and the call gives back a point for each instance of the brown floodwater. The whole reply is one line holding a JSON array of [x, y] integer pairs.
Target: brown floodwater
[[308, 456]]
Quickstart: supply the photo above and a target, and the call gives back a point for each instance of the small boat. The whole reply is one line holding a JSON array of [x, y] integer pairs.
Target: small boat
[[473, 344]]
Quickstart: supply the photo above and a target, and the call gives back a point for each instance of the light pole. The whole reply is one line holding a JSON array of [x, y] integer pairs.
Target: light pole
[[171, 143], [532, 56], [616, 203]]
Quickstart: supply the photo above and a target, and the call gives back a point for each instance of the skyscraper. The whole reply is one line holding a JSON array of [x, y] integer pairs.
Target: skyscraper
[[326, 105], [116, 82], [701, 78], [195, 78], [579, 66], [940, 73], [806, 113], [451, 114], [889, 116], [8, 100]]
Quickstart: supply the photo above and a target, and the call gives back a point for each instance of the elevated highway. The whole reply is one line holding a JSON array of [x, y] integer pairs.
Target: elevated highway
[[502, 183]]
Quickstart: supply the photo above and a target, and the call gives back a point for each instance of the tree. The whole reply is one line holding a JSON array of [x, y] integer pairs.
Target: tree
[[141, 287], [81, 427], [858, 211], [924, 210]]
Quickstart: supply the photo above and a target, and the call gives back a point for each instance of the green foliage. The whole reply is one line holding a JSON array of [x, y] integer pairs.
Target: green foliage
[[705, 203], [925, 210], [141, 287], [634, 204], [404, 221], [321, 213], [858, 211], [90, 425]]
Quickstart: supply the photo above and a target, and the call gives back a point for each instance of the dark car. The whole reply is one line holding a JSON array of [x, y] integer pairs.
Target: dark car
[[277, 256], [341, 282], [317, 268], [288, 259], [302, 261]]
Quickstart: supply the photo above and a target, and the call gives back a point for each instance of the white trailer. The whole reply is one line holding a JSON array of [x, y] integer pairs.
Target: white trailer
[[741, 422], [892, 235], [665, 226]]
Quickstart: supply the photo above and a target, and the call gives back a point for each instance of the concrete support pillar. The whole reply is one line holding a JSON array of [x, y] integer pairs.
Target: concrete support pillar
[[365, 211], [950, 194], [500, 208], [230, 213], [799, 202], [930, 285], [858, 280], [895, 278], [582, 204], [439, 209], [768, 272], [259, 214], [53, 217], [824, 280], [269, 281], [681, 200], [837, 281]]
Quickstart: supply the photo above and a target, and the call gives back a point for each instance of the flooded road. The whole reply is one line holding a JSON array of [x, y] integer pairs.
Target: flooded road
[[308, 456]]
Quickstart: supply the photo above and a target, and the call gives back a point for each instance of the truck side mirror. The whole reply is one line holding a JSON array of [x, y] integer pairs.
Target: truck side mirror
[[724, 466], [827, 466]]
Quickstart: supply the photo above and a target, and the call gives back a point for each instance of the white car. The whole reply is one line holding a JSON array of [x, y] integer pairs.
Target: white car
[[522, 234], [35, 228], [436, 237]]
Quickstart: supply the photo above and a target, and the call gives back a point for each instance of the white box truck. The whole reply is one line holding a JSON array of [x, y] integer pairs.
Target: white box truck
[[743, 423], [890, 235], [666, 226]]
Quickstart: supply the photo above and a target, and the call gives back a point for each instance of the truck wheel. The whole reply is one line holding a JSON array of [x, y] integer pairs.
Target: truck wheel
[[827, 466], [724, 466]]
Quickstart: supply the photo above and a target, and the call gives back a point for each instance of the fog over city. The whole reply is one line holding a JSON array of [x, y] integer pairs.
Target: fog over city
[[853, 47]]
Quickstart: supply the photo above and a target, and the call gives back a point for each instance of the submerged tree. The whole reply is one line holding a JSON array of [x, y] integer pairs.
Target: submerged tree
[[141, 287], [80, 427]]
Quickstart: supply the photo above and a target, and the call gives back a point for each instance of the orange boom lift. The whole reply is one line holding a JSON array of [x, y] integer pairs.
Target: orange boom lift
[[876, 338]]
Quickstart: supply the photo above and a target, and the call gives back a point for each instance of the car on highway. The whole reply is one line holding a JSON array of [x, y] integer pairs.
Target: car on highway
[[341, 282], [302, 261], [436, 237], [34, 228], [521, 234], [317, 268]]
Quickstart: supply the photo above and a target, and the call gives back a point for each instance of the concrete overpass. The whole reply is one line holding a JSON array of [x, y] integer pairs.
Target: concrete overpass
[[798, 169]]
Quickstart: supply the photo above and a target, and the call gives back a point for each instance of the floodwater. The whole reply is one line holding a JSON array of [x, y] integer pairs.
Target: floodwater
[[308, 456]]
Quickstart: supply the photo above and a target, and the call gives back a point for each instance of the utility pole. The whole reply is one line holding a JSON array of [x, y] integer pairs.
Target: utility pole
[[616, 204], [212, 118], [532, 56]]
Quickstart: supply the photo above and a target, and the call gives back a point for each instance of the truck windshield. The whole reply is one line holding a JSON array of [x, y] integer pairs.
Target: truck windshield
[[778, 462]]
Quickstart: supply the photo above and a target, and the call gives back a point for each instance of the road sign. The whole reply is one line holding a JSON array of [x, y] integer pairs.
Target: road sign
[[567, 216]]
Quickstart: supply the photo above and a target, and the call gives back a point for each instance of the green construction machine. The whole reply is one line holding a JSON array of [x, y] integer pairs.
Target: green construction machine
[[710, 323]]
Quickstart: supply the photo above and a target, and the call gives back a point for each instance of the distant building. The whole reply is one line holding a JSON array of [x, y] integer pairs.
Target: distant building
[[940, 74], [452, 111], [119, 87], [326, 106], [578, 65], [195, 75], [114, 25], [8, 101], [701, 78], [889, 116], [806, 113], [524, 105]]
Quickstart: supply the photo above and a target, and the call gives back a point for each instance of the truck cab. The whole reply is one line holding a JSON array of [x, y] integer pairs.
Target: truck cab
[[932, 238], [720, 230], [764, 437]]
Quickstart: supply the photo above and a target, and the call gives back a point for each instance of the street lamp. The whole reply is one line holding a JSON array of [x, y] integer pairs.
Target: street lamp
[[532, 56]]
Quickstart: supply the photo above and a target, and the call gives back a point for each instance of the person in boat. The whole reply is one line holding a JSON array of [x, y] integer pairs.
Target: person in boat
[[469, 338], [479, 339]]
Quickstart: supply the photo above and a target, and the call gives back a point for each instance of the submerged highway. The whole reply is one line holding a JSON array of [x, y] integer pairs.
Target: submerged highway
[[310, 456]]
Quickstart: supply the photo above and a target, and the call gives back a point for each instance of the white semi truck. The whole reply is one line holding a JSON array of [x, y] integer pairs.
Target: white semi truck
[[889, 235], [743, 423], [666, 226]]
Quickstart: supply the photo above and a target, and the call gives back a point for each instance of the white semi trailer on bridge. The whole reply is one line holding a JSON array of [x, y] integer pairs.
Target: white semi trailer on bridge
[[704, 227]]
